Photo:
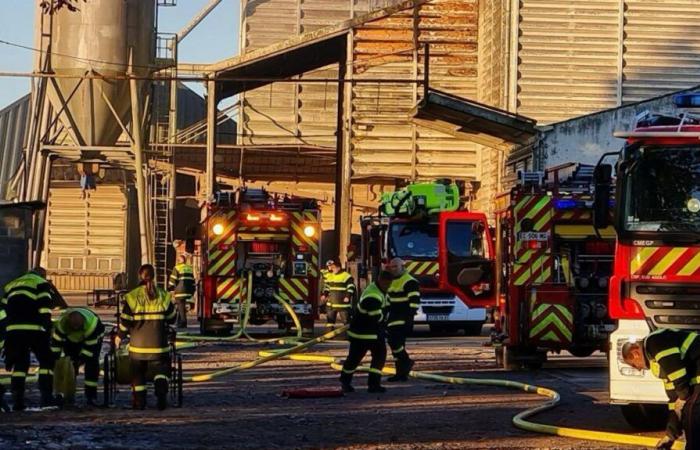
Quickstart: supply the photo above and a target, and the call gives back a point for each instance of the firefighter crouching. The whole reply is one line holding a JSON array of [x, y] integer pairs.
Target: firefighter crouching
[[403, 296], [182, 283], [78, 334], [366, 333], [27, 325], [338, 293], [673, 356], [147, 312]]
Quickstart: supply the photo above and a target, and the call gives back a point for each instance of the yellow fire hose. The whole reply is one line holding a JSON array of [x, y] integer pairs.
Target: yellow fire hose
[[519, 420], [242, 331]]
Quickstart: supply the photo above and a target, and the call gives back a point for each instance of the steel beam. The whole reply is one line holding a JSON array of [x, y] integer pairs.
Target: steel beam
[[196, 20], [211, 139], [343, 189]]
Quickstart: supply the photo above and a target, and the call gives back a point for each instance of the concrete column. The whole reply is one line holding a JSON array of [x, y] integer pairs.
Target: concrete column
[[211, 140], [343, 187]]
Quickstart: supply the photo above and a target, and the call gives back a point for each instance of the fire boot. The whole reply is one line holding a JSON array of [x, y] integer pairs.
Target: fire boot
[[4, 407], [18, 400], [138, 400], [48, 401], [91, 395], [161, 388], [403, 368]]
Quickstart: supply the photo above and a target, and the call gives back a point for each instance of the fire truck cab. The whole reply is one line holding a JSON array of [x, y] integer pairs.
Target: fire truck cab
[[259, 249], [656, 279], [448, 250]]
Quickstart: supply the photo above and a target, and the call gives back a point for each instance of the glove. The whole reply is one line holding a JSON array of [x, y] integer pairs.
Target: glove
[[666, 443], [678, 408], [117, 342], [346, 299]]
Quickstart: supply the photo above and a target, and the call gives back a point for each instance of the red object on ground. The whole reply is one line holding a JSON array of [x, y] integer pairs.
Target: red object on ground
[[315, 392]]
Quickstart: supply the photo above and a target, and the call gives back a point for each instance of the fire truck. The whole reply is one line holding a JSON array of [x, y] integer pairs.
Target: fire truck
[[260, 247], [656, 279], [447, 249], [555, 269]]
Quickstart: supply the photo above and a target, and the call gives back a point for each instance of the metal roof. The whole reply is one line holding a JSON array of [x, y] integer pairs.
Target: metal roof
[[295, 56], [474, 121], [14, 123]]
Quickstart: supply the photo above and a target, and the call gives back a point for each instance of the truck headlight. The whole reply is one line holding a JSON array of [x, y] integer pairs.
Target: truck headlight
[[309, 231], [218, 229]]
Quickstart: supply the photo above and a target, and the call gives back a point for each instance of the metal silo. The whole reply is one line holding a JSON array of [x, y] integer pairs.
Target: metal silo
[[97, 40]]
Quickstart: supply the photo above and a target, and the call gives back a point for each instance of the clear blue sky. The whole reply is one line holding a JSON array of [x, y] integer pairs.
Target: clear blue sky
[[215, 38]]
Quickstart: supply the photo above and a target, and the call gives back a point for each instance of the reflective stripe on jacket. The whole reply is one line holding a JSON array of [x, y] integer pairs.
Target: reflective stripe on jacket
[[182, 281], [338, 287], [369, 317], [27, 304], [146, 321], [403, 297], [89, 339]]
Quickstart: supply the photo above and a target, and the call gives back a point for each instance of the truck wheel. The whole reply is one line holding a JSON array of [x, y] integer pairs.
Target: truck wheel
[[473, 328], [213, 327], [645, 416], [582, 352]]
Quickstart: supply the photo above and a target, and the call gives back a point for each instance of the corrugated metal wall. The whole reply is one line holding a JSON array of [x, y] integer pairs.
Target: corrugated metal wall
[[579, 57], [385, 143], [14, 124], [86, 241]]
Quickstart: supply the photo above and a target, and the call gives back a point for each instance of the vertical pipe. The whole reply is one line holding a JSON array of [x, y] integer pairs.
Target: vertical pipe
[[40, 224], [211, 139], [173, 129], [137, 148], [343, 172]]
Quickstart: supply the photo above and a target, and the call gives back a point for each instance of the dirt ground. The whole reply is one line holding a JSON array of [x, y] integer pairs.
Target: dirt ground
[[246, 410]]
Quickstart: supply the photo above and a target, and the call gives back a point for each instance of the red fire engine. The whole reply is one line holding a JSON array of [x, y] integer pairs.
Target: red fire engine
[[555, 268], [261, 247], [656, 281], [448, 250]]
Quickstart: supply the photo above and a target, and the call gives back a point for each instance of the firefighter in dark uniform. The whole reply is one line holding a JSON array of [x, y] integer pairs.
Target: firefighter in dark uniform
[[338, 293], [182, 283], [366, 333], [3, 319], [403, 296], [147, 312], [27, 304], [78, 334], [673, 356]]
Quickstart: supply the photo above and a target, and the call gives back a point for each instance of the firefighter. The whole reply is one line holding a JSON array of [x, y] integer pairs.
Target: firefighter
[[3, 319], [78, 334], [147, 312], [673, 356], [403, 297], [338, 293], [183, 285], [27, 305], [366, 333]]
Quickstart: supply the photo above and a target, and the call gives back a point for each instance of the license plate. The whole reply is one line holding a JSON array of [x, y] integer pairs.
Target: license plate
[[438, 317], [533, 236]]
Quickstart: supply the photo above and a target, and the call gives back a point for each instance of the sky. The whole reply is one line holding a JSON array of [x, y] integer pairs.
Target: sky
[[214, 39]]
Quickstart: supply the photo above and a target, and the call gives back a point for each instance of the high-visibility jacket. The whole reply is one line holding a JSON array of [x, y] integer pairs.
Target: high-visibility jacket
[[403, 297], [674, 357], [146, 321], [87, 339], [182, 281], [26, 305], [368, 319], [338, 287]]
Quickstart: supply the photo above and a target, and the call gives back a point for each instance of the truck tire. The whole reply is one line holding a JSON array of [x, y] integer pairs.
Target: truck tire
[[645, 416], [213, 327], [582, 352], [473, 328]]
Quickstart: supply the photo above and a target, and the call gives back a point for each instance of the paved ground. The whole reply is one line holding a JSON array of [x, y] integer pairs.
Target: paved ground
[[246, 410]]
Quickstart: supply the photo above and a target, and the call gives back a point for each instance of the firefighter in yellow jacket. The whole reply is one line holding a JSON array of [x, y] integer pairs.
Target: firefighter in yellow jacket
[[148, 311], [403, 297], [183, 286], [338, 293]]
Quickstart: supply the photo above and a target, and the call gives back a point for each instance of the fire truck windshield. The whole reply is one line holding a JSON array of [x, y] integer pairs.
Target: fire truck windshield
[[413, 240], [662, 190]]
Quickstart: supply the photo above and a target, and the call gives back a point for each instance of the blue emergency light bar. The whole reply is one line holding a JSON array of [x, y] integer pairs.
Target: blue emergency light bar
[[568, 203], [689, 100]]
